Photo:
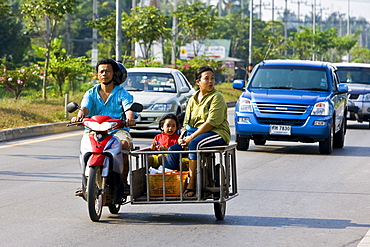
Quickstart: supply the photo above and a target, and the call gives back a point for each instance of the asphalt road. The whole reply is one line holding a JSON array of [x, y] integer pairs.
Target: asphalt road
[[290, 195]]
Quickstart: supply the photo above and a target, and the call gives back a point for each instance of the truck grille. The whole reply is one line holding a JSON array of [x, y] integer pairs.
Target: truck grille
[[289, 109], [293, 122]]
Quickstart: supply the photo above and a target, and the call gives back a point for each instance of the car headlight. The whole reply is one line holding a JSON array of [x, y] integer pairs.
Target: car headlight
[[367, 97], [162, 107], [321, 109], [245, 105]]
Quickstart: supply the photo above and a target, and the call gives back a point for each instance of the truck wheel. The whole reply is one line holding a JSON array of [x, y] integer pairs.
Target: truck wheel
[[326, 146], [242, 143], [339, 136]]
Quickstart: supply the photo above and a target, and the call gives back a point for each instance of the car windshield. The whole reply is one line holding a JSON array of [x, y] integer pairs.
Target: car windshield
[[354, 75], [290, 77], [146, 81]]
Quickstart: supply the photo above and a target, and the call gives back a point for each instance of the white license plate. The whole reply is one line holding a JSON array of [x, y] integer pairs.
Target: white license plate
[[280, 130]]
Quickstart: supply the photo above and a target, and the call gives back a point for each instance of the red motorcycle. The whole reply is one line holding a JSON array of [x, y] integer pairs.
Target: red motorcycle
[[101, 161]]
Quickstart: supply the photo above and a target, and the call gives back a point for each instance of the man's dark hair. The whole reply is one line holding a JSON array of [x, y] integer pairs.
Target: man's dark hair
[[108, 61], [169, 116], [198, 73]]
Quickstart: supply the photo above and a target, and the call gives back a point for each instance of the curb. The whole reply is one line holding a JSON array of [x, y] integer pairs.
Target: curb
[[231, 104], [45, 129], [34, 130]]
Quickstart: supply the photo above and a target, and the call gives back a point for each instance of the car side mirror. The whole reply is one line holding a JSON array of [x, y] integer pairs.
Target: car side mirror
[[184, 90], [238, 84], [343, 88]]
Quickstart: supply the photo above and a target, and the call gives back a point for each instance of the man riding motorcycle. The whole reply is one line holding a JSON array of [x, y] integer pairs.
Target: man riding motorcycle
[[110, 99]]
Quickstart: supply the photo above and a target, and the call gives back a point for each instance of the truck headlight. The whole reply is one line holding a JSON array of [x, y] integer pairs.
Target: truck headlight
[[321, 109], [245, 105]]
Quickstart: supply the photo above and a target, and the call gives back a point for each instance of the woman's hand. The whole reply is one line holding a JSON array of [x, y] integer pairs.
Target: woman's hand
[[185, 141]]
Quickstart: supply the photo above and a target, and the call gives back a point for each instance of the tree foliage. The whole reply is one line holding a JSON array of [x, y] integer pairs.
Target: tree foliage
[[146, 25], [43, 17], [195, 23], [13, 44], [63, 66]]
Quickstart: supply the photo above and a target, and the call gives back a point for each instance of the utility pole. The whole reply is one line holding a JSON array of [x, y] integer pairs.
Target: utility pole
[[299, 11], [273, 8], [260, 5], [68, 34], [94, 53], [348, 27], [321, 16], [250, 59], [219, 8], [242, 8], [314, 26], [285, 24], [174, 32], [133, 53], [118, 32]]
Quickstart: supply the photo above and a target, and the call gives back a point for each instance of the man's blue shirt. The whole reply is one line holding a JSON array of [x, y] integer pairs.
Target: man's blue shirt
[[118, 101]]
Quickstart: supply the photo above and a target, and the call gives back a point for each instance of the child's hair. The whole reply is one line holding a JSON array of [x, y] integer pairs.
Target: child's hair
[[169, 116]]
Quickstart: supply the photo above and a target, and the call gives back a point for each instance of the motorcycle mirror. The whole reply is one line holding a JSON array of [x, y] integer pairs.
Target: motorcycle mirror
[[136, 107], [71, 107]]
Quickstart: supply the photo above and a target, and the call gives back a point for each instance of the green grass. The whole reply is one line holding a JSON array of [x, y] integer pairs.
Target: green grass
[[229, 93], [27, 112]]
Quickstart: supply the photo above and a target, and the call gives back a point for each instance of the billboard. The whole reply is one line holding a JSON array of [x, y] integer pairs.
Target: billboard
[[213, 49]]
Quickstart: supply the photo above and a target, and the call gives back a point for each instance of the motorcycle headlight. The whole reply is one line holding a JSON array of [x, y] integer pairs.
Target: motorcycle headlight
[[367, 97], [321, 109], [100, 126], [162, 107], [245, 105]]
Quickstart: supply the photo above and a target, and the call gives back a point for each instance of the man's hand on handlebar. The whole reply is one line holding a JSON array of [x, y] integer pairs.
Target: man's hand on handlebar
[[130, 122], [76, 119]]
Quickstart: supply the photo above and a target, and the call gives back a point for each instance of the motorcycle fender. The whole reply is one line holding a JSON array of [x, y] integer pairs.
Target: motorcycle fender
[[98, 160], [116, 151]]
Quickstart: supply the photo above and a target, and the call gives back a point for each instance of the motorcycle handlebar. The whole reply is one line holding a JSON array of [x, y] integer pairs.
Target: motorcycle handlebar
[[72, 124]]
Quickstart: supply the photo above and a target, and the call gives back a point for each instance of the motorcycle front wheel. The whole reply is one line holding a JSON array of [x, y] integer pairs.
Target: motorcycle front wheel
[[94, 193]]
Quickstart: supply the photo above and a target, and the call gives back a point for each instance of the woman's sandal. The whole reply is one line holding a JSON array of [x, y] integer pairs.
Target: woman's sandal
[[189, 193]]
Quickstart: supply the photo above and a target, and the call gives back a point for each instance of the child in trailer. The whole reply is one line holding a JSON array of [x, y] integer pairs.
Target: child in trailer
[[169, 125]]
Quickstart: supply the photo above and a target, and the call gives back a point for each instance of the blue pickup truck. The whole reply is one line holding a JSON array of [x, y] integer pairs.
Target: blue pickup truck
[[292, 100]]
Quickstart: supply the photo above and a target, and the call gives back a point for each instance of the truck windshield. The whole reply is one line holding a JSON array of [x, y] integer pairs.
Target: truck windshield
[[298, 78]]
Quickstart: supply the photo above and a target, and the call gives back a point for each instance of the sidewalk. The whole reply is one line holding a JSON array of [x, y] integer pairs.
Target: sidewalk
[[46, 129]]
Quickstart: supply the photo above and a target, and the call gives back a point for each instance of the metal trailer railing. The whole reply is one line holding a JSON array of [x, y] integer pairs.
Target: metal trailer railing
[[216, 178]]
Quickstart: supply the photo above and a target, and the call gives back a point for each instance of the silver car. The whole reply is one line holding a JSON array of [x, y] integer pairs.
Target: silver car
[[357, 77], [160, 91]]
